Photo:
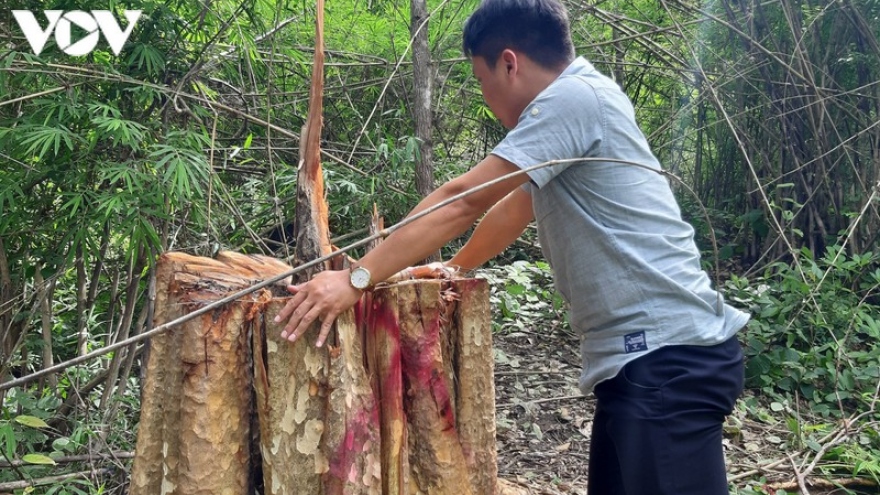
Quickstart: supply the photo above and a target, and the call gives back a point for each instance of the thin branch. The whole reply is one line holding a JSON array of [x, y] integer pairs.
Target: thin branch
[[75, 458], [39, 94], [527, 403], [800, 477], [54, 479]]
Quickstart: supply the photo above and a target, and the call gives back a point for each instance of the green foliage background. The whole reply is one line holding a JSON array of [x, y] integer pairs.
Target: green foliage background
[[188, 140]]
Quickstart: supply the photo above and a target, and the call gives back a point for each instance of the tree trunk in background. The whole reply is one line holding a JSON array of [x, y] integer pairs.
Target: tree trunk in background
[[421, 108], [45, 293], [422, 89]]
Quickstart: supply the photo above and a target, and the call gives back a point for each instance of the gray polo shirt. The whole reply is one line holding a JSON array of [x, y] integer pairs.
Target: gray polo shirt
[[621, 254]]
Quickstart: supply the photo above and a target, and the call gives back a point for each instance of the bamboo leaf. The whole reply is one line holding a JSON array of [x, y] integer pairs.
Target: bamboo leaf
[[40, 139], [73, 204]]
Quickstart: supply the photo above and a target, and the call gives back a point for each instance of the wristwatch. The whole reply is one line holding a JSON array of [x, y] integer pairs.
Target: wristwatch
[[360, 277]]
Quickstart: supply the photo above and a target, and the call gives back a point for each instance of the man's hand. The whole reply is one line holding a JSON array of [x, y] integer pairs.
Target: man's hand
[[436, 270], [323, 298]]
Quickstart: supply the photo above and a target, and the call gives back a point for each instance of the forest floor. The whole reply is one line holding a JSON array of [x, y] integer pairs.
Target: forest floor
[[544, 423]]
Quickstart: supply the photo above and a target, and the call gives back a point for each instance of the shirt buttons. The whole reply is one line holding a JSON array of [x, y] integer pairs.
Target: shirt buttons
[[535, 111]]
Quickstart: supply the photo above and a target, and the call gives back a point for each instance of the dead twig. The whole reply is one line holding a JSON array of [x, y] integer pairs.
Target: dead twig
[[825, 484], [12, 485], [800, 477], [74, 458], [539, 401]]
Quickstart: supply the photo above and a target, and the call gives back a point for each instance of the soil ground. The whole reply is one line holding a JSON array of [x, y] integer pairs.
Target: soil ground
[[544, 423]]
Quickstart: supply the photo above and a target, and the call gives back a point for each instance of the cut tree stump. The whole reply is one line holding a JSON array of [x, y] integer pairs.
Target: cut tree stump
[[400, 401], [318, 416], [194, 435]]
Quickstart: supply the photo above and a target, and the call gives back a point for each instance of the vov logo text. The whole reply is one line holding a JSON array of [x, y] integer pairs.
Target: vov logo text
[[94, 23]]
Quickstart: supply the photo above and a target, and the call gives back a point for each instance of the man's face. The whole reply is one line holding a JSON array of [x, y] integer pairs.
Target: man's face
[[495, 83]]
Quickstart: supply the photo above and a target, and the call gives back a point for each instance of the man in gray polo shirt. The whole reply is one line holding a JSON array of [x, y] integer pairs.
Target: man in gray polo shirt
[[658, 343]]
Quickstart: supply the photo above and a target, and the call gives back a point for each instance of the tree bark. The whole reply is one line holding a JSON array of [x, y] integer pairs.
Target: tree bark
[[82, 331], [474, 363], [428, 344], [194, 432], [399, 401], [45, 292], [319, 426], [422, 89]]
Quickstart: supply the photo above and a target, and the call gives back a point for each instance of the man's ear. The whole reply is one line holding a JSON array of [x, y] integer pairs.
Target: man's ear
[[508, 58]]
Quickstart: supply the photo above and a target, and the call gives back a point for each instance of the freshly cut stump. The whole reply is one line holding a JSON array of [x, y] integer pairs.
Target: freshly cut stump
[[194, 435], [400, 400]]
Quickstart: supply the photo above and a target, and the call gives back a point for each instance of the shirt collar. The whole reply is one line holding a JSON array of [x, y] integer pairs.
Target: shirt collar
[[579, 64]]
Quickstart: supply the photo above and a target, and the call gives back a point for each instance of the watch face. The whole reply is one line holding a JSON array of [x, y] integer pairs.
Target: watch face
[[360, 278]]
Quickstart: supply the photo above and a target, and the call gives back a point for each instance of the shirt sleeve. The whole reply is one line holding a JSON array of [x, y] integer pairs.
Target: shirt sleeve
[[564, 121]]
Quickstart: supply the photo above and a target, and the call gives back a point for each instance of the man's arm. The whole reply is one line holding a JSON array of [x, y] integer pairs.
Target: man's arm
[[503, 224], [329, 293]]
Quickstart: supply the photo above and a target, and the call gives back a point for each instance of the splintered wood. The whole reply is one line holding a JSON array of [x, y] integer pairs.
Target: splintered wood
[[400, 401]]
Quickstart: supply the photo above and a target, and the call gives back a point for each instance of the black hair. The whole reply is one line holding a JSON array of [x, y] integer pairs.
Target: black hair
[[538, 28]]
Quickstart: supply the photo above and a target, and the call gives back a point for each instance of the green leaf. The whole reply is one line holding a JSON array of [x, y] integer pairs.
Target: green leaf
[[38, 459], [9, 442], [31, 421], [73, 204], [146, 57], [40, 139], [61, 444]]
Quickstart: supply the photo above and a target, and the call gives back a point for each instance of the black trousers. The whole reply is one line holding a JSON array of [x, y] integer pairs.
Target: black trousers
[[658, 424]]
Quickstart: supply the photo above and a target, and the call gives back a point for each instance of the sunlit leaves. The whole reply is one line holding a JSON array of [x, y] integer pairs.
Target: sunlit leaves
[[73, 204], [31, 421], [38, 459]]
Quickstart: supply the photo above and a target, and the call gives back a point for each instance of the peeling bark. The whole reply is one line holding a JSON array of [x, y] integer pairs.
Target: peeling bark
[[400, 401], [382, 333], [194, 432], [437, 397]]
